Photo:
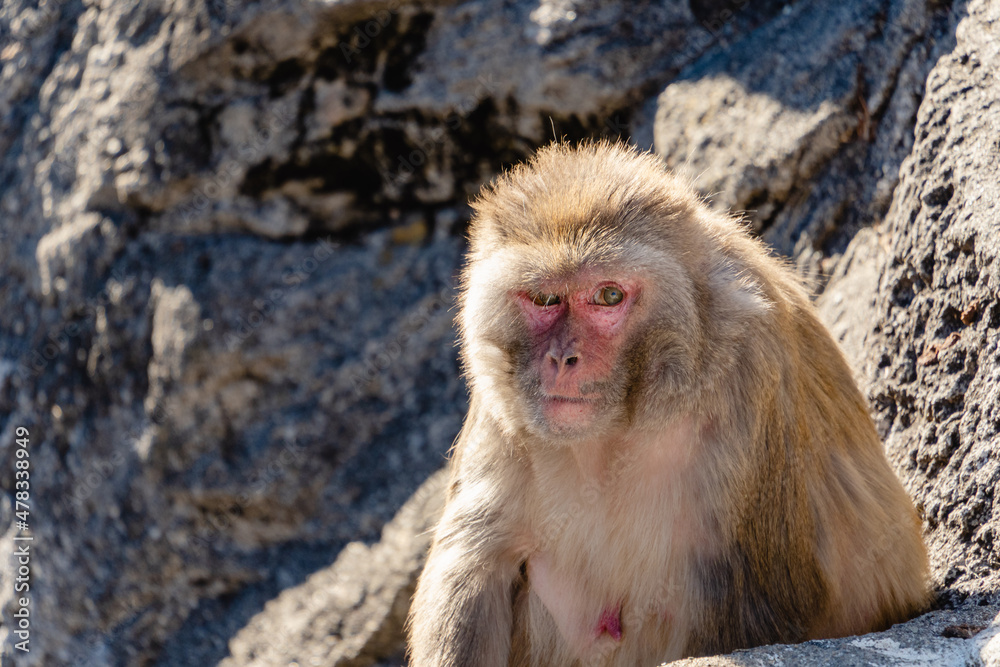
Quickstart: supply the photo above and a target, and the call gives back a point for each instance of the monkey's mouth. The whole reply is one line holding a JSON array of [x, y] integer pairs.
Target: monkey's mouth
[[567, 413], [568, 399]]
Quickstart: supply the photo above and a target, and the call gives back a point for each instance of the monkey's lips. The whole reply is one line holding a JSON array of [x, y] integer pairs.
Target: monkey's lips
[[562, 412]]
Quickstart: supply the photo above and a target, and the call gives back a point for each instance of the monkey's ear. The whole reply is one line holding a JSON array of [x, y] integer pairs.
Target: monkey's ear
[[738, 294]]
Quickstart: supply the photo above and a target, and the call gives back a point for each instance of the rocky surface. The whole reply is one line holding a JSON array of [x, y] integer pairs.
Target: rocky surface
[[780, 125], [958, 638], [920, 297], [357, 606], [229, 234]]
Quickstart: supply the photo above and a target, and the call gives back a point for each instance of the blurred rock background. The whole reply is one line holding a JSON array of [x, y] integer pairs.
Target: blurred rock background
[[229, 235]]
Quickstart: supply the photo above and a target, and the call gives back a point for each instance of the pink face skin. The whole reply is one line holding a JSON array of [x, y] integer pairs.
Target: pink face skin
[[575, 344]]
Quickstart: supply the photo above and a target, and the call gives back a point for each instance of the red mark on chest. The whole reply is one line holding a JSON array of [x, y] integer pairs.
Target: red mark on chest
[[610, 623]]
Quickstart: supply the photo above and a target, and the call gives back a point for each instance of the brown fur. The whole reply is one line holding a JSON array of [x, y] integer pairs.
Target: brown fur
[[733, 494]]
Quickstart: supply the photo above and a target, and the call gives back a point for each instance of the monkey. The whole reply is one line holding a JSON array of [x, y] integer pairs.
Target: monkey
[[665, 452]]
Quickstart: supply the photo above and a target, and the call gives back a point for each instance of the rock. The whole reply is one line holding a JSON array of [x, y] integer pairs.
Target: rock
[[237, 421], [966, 637], [925, 336], [352, 612], [847, 304], [778, 125]]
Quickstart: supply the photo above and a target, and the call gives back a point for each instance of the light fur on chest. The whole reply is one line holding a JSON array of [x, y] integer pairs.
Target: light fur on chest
[[610, 545]]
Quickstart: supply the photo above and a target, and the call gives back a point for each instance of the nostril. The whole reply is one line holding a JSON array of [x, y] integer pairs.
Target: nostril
[[571, 360]]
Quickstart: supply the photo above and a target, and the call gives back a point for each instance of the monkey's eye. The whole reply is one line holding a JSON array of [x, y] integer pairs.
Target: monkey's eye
[[545, 299], [609, 296]]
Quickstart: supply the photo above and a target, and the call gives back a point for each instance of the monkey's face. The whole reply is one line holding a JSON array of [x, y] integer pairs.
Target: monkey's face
[[567, 343], [571, 366], [590, 293]]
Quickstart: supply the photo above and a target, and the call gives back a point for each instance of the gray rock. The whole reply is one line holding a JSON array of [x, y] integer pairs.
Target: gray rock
[[352, 612], [260, 422], [781, 125], [923, 334], [961, 638]]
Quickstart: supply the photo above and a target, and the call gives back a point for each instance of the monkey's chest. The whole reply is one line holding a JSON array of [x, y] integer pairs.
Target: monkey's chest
[[584, 611], [609, 582], [614, 535]]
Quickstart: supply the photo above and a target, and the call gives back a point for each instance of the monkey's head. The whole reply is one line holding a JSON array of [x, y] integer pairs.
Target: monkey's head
[[596, 286]]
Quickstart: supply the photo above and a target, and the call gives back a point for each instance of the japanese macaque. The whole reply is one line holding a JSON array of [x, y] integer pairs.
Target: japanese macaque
[[665, 453]]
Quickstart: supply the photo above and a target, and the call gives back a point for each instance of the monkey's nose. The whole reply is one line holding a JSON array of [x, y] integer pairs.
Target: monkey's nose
[[563, 360]]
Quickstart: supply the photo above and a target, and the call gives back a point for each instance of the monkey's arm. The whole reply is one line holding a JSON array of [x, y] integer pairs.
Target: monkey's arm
[[462, 612]]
